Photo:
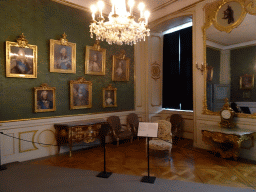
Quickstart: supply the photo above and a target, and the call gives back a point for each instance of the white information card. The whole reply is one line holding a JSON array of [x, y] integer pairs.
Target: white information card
[[147, 129]]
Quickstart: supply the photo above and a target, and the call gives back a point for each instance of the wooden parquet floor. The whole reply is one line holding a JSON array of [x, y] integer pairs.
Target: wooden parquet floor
[[186, 163]]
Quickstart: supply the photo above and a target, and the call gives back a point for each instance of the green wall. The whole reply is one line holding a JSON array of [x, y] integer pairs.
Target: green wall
[[40, 21], [242, 61], [213, 59]]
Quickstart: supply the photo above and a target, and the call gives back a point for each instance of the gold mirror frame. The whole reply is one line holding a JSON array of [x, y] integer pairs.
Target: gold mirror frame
[[211, 11]]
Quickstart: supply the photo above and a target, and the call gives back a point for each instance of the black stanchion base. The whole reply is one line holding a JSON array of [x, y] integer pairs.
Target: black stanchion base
[[104, 174], [148, 179], [2, 167]]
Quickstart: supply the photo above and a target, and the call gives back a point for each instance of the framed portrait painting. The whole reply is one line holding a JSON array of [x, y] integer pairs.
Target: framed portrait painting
[[246, 81], [44, 98], [120, 68], [109, 97], [95, 60], [62, 56], [209, 70], [229, 15], [21, 59], [80, 94]]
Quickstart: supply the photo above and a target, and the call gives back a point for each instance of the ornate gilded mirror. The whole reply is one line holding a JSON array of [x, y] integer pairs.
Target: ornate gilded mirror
[[229, 35]]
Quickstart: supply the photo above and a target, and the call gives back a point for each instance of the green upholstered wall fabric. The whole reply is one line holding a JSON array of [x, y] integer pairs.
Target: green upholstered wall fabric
[[213, 59], [40, 21], [242, 61]]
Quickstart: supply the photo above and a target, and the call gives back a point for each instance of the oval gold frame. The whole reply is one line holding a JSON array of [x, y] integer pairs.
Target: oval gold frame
[[211, 11]]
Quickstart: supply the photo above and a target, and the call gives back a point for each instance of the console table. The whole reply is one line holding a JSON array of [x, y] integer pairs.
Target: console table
[[80, 131], [226, 141]]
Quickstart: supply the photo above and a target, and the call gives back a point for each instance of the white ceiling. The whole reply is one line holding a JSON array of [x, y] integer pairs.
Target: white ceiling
[[245, 32]]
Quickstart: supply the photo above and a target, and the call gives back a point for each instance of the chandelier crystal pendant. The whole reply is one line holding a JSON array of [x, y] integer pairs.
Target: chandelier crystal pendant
[[121, 28]]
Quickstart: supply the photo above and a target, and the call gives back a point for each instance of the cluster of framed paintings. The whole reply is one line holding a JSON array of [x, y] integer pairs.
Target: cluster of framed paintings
[[21, 59], [21, 62], [80, 96]]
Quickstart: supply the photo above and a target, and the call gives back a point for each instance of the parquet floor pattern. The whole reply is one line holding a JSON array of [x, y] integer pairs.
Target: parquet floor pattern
[[186, 163]]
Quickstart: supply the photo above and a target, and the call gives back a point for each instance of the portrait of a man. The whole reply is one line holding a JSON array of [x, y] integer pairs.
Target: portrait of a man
[[62, 56], [21, 60], [44, 98], [95, 60], [80, 94]]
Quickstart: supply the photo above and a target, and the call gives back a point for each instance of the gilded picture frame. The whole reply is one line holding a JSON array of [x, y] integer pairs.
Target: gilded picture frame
[[229, 15], [44, 98], [21, 59], [209, 73], [246, 81], [95, 60], [62, 55], [120, 68], [109, 96], [80, 94]]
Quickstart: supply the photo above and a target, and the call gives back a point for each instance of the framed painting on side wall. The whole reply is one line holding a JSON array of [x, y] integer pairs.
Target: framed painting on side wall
[[62, 56], [109, 97], [44, 98], [120, 68], [21, 59], [95, 60], [80, 94], [246, 81]]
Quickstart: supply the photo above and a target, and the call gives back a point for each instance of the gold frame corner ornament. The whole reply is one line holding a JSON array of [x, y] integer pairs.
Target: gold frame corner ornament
[[86, 91], [62, 47], [100, 53], [113, 97], [21, 59]]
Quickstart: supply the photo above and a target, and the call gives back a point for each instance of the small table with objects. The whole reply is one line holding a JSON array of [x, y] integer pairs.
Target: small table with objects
[[227, 141]]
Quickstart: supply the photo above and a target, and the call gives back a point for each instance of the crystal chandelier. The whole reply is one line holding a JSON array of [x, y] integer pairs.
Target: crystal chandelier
[[121, 28]]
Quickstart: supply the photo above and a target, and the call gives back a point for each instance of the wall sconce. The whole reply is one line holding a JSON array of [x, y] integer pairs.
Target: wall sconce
[[200, 68]]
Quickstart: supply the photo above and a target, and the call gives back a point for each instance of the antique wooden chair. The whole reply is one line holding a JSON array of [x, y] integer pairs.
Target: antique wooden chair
[[163, 141], [133, 122], [117, 132], [176, 121]]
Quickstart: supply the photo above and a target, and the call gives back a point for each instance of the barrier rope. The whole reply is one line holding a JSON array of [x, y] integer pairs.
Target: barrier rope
[[74, 145]]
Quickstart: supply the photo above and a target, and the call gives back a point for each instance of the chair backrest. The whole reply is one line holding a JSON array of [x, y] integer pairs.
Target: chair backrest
[[164, 129], [115, 123], [176, 121], [133, 121]]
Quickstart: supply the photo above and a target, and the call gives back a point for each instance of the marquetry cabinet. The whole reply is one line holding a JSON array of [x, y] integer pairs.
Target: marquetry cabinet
[[71, 133]]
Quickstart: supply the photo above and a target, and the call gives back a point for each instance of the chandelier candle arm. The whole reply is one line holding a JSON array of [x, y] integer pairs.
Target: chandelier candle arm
[[121, 28]]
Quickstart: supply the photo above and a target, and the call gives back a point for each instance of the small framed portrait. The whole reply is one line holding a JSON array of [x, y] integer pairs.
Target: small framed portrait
[[80, 94], [229, 15], [120, 68], [209, 70], [109, 97], [62, 55], [21, 59], [95, 60], [44, 98], [246, 81]]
